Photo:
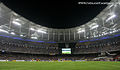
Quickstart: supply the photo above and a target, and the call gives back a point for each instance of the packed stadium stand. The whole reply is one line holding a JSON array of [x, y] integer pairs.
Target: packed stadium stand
[[99, 39]]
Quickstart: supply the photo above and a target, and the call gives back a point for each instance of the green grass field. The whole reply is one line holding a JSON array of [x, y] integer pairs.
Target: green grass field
[[86, 65]]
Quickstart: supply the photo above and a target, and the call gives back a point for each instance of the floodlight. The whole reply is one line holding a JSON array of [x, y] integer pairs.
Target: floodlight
[[16, 23], [1, 30], [17, 19], [94, 27], [12, 33], [41, 31], [32, 29], [21, 35], [34, 37], [111, 5], [111, 32], [111, 17], [81, 31]]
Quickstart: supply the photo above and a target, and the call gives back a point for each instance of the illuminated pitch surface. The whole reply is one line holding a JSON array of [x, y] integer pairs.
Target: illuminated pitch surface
[[60, 65]]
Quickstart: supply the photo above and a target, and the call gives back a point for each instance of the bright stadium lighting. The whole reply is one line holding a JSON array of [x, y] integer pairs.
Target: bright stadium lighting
[[99, 35], [12, 33], [111, 17], [1, 30], [32, 29], [111, 32], [16, 23], [96, 26], [41, 31], [34, 38], [81, 31], [17, 19], [21, 35], [111, 5]]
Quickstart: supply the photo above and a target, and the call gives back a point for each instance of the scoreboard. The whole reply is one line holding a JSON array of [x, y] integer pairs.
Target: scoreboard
[[66, 50]]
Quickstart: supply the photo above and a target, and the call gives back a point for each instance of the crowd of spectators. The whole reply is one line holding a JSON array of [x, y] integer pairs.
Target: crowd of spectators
[[21, 56], [32, 50], [108, 45], [15, 45]]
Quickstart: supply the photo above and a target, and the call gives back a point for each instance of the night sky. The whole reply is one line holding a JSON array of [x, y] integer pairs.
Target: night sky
[[56, 14]]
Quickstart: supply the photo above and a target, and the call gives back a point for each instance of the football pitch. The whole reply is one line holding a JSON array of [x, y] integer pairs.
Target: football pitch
[[84, 65]]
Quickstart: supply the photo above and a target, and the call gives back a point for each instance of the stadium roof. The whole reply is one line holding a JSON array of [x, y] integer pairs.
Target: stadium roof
[[105, 24], [56, 14]]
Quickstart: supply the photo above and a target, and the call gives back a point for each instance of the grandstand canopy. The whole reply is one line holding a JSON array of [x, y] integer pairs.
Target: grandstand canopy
[[16, 24], [56, 14]]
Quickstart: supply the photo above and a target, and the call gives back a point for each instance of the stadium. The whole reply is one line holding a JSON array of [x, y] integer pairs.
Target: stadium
[[95, 45]]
